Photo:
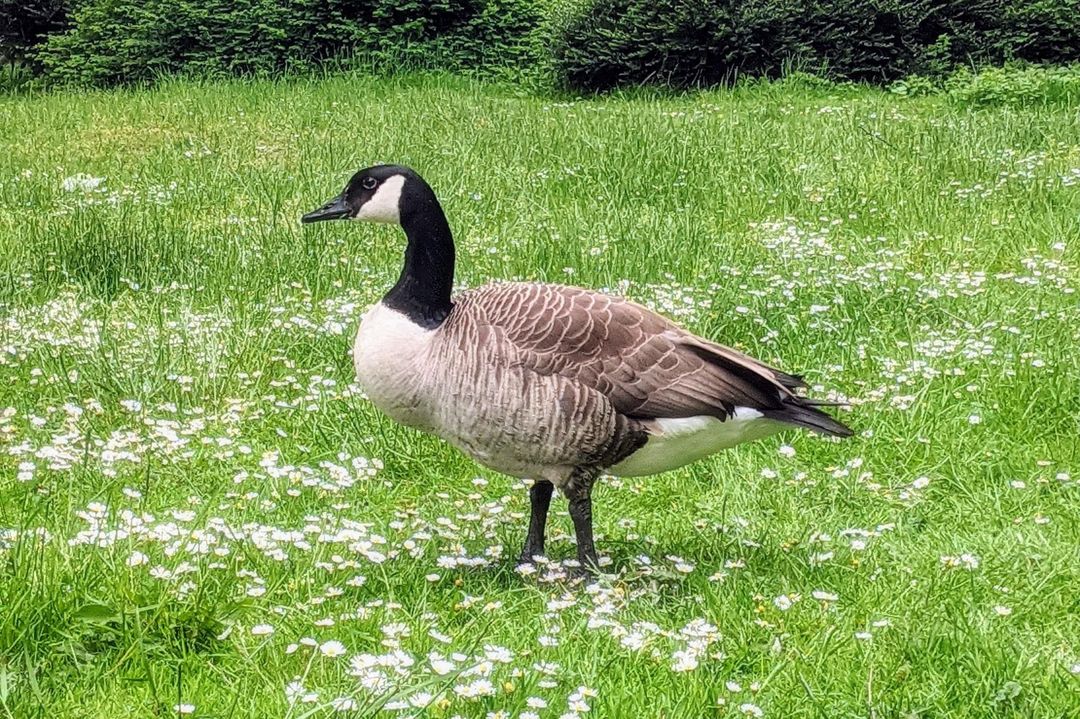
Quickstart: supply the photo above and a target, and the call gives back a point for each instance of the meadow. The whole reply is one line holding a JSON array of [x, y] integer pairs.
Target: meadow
[[202, 516]]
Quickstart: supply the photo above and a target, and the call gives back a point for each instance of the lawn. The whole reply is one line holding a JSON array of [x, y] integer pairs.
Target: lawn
[[201, 515]]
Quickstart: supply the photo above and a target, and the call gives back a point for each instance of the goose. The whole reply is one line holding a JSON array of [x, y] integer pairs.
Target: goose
[[547, 382]]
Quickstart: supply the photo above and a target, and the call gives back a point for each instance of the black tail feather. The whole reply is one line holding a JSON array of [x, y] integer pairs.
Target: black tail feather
[[791, 381], [804, 414]]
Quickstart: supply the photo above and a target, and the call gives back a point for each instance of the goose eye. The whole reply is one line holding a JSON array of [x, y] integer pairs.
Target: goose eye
[[369, 183]]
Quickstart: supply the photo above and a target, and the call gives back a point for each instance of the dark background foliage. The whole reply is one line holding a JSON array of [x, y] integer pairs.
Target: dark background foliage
[[686, 43], [585, 45], [24, 24], [127, 41]]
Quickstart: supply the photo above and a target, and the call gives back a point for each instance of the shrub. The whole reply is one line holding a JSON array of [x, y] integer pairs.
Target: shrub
[[609, 43], [687, 43], [1015, 86], [125, 41], [1043, 30], [1009, 85], [25, 23], [916, 86]]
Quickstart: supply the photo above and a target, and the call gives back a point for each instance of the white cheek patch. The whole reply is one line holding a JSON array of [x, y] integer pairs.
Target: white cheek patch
[[383, 205]]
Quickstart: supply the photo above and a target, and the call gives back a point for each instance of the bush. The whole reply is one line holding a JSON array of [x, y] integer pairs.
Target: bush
[[1015, 86], [687, 43], [587, 44], [25, 23], [130, 41], [1009, 85], [916, 86], [1043, 30]]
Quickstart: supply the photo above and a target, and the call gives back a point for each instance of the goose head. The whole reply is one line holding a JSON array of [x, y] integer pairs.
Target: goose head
[[396, 195], [375, 194]]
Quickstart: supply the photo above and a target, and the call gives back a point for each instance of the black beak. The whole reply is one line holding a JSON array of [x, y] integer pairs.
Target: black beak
[[335, 209]]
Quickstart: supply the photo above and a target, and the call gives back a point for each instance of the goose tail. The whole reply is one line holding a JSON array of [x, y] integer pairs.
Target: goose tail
[[805, 413]]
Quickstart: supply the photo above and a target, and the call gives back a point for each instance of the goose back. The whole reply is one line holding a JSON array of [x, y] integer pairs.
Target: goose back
[[647, 366]]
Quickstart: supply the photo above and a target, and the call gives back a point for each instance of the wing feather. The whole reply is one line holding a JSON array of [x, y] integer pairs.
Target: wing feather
[[644, 364]]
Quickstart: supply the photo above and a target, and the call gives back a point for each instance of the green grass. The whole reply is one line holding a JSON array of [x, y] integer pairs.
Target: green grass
[[174, 367]]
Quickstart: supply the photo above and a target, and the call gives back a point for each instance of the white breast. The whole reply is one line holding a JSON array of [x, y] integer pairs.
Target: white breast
[[389, 355], [679, 441]]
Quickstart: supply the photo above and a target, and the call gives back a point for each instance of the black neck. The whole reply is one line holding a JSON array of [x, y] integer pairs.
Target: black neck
[[422, 292]]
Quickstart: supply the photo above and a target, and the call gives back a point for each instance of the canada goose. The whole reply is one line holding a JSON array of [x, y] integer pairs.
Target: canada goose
[[547, 382]]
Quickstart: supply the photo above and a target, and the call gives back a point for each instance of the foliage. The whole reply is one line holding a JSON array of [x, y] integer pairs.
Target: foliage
[[1043, 30], [1010, 85], [25, 23], [587, 44], [1007, 86], [129, 41], [689, 43], [916, 86]]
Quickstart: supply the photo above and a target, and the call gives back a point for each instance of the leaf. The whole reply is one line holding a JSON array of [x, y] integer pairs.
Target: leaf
[[94, 612], [1007, 692]]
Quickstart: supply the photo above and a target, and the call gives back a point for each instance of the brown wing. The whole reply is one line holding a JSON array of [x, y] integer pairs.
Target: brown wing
[[646, 365]]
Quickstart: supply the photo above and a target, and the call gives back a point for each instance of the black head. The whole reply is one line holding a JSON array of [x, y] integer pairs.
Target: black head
[[397, 195], [373, 194]]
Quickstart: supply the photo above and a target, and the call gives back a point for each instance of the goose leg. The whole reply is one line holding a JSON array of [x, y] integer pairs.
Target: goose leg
[[540, 500], [579, 493]]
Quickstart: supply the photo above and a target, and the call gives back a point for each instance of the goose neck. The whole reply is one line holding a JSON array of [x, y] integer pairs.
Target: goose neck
[[423, 289]]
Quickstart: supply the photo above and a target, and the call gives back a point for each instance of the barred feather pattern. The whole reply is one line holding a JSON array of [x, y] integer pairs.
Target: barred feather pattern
[[646, 365], [538, 380]]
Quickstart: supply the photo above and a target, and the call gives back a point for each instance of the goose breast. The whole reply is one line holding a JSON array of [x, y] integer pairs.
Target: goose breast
[[389, 356]]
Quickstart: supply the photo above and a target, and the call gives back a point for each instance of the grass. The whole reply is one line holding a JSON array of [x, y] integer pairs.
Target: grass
[[183, 460]]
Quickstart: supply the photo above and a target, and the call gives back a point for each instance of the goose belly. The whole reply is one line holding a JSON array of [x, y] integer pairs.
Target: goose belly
[[483, 421], [675, 442]]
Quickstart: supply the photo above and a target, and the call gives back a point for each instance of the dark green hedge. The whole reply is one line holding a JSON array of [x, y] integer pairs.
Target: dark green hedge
[[688, 43], [585, 44], [24, 24], [131, 41]]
